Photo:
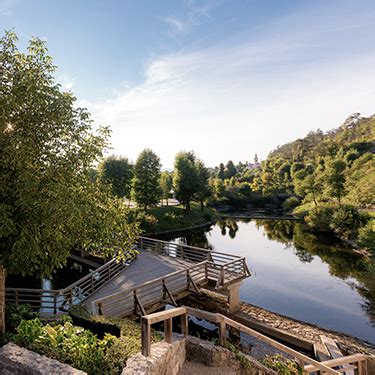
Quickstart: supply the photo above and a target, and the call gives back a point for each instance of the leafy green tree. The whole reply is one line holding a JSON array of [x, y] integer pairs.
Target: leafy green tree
[[204, 188], [118, 172], [333, 177], [145, 185], [185, 178], [166, 185], [221, 173], [48, 201], [230, 169]]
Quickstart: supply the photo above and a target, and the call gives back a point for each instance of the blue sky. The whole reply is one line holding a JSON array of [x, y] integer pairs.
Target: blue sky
[[226, 78]]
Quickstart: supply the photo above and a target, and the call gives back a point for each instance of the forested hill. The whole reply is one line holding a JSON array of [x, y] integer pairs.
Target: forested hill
[[357, 133]]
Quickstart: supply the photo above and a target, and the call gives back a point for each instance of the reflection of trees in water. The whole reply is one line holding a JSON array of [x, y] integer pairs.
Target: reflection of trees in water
[[232, 226], [278, 230], [343, 262], [196, 238]]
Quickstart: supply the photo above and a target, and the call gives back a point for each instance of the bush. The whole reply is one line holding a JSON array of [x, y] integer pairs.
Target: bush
[[282, 365], [319, 218], [290, 203], [366, 236], [15, 314], [346, 220], [82, 318]]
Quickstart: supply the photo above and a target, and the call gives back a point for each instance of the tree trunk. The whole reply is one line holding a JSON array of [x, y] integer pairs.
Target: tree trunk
[[2, 298], [202, 205], [187, 208]]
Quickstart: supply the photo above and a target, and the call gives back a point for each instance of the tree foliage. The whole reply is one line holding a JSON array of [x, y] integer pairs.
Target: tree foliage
[[185, 177], [118, 172], [48, 203], [145, 185], [166, 184]]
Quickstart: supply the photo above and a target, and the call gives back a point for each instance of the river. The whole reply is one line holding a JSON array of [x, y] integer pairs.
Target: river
[[297, 273]]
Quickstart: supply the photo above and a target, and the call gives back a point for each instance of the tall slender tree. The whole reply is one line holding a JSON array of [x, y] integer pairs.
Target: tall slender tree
[[145, 185], [185, 178], [118, 172], [166, 185]]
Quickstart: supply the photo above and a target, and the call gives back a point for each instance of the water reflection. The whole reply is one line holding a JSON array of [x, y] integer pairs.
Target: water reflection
[[299, 273]]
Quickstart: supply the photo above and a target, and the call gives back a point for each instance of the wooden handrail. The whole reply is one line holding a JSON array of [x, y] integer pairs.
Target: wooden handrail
[[117, 295], [223, 321], [105, 272]]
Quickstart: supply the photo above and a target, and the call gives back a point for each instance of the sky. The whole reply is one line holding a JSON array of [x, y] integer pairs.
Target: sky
[[225, 78]]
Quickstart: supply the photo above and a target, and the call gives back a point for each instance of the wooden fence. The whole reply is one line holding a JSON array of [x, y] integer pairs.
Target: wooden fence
[[309, 365], [222, 268], [52, 301]]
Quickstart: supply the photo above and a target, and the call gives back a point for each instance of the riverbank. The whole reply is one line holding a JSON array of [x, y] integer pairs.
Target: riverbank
[[248, 314], [174, 219]]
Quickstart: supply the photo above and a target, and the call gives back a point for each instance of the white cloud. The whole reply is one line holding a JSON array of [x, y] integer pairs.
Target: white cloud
[[7, 6], [67, 83], [237, 98]]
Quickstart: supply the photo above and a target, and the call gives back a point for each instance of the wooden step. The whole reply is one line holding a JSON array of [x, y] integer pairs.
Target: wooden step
[[335, 353]]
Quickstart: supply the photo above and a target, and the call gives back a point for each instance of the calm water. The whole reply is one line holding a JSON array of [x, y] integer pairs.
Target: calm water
[[297, 274]]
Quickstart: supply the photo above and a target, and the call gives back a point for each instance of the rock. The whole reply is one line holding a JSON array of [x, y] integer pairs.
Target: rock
[[20, 361]]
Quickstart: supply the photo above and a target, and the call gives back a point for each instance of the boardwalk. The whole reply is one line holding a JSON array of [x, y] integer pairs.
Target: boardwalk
[[162, 273], [148, 266]]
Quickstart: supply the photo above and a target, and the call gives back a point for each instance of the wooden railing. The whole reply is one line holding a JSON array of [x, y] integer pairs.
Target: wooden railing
[[161, 290], [309, 365], [222, 268], [52, 301]]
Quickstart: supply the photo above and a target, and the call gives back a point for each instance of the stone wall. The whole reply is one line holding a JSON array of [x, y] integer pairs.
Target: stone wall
[[17, 360], [2, 298], [165, 359], [212, 355]]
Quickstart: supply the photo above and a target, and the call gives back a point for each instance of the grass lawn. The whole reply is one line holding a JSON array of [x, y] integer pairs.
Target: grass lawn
[[161, 219]]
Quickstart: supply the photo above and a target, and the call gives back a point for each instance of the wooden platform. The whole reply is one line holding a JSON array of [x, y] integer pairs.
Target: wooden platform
[[148, 266]]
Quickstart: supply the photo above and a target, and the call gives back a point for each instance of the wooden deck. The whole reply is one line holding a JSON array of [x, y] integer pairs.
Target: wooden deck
[[146, 267], [162, 273]]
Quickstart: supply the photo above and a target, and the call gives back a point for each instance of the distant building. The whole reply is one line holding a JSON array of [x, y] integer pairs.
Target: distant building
[[255, 165]]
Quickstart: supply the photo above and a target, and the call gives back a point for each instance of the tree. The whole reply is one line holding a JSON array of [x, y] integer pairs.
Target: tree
[[185, 178], [204, 188], [334, 177], [145, 185], [118, 172], [48, 201], [166, 185], [230, 170], [221, 173]]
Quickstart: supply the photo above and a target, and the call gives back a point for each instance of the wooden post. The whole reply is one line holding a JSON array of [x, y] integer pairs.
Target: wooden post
[[206, 271], [184, 324], [16, 297], [54, 303], [222, 275], [146, 337], [222, 333], [234, 297], [168, 330], [92, 283], [2, 298]]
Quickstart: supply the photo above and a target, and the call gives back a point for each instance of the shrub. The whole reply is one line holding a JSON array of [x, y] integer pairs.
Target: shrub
[[366, 236], [28, 331], [290, 203], [15, 314], [82, 318], [319, 218], [346, 220], [282, 365]]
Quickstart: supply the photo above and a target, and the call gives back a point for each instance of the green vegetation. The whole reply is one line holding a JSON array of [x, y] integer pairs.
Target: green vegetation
[[49, 202], [72, 344], [146, 190], [282, 365], [118, 172], [160, 219], [190, 179]]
